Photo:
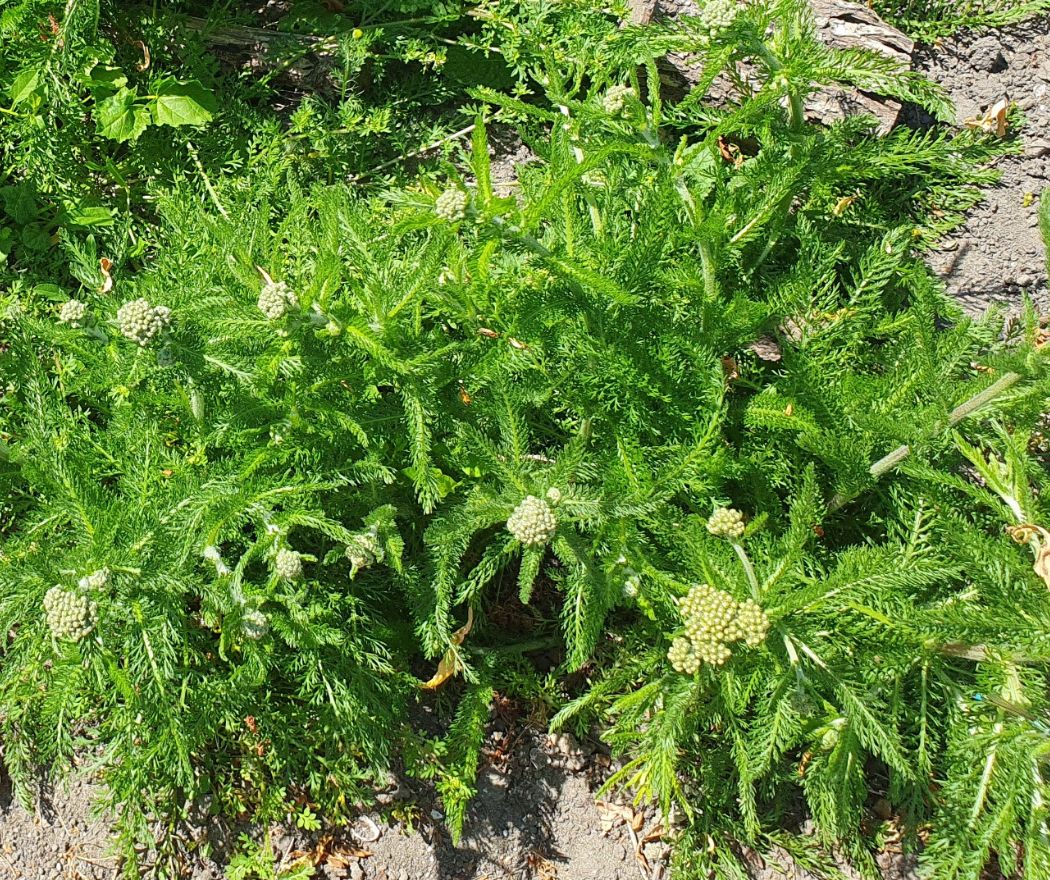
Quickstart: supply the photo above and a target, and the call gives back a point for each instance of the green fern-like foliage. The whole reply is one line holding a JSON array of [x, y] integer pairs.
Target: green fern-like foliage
[[369, 430]]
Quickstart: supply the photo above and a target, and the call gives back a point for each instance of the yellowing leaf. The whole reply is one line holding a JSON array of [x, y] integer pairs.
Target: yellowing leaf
[[104, 266], [1039, 539], [992, 120], [450, 665]]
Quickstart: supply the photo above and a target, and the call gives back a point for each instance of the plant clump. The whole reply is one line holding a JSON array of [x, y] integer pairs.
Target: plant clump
[[70, 615], [533, 522], [141, 322]]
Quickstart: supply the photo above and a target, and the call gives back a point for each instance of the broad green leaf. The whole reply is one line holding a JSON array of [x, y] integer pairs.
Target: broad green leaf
[[24, 86], [106, 78], [183, 103], [78, 214], [119, 118]]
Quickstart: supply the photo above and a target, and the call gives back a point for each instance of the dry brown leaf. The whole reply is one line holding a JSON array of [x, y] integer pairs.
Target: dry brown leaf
[[1039, 538], [144, 64], [638, 821], [767, 348], [993, 120], [344, 857], [654, 834], [107, 280], [449, 665]]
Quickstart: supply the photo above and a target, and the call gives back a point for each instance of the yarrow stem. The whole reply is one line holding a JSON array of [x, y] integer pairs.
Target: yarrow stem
[[749, 569]]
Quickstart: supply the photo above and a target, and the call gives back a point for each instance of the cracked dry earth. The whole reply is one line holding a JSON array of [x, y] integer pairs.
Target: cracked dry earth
[[997, 258], [535, 815]]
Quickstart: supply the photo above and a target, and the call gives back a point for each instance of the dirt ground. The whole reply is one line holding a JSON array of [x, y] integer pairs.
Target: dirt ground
[[997, 258]]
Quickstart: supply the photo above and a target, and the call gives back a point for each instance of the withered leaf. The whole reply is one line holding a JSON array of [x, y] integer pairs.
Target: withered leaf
[[449, 665], [993, 120]]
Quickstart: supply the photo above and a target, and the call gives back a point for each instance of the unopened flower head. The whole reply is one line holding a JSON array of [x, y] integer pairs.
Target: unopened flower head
[[97, 580], [719, 14], [713, 620], [288, 564], [616, 99], [212, 554], [452, 204], [554, 495], [726, 523], [632, 586], [276, 299], [532, 522], [752, 623], [254, 624], [683, 656], [141, 322], [70, 615], [364, 550], [73, 313]]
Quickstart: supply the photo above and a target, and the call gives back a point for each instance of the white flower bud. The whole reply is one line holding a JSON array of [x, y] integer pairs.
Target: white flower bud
[[70, 615], [532, 522], [254, 624], [451, 205], [73, 313], [213, 556], [683, 656], [364, 551], [277, 299], [632, 586], [554, 495], [726, 523], [97, 580], [719, 14], [616, 99], [142, 323], [288, 564]]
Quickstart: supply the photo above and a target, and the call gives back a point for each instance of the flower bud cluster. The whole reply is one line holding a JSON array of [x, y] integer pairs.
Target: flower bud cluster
[[532, 522], [364, 550], [451, 205], [276, 299], [719, 14], [254, 624], [74, 313], [70, 615], [615, 99], [288, 564], [142, 323], [714, 620], [97, 580], [726, 523]]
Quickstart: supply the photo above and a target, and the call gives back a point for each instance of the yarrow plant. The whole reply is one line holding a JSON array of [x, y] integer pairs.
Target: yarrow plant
[[504, 438]]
